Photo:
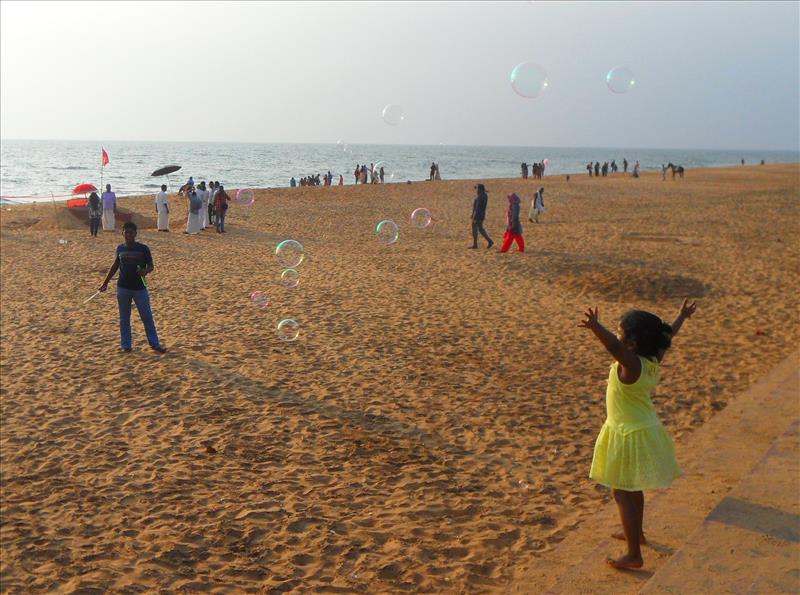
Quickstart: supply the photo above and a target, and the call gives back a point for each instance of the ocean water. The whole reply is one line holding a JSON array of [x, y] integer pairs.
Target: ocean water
[[33, 170]]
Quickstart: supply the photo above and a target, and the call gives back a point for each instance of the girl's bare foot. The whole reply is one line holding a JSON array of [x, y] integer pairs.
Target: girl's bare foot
[[626, 561], [621, 536]]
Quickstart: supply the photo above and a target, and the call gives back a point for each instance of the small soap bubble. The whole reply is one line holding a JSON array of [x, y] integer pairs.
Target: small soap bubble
[[289, 254], [546, 162], [342, 146], [62, 241], [245, 197], [421, 218], [388, 232], [529, 80], [288, 330], [393, 114], [290, 278], [259, 298], [620, 79]]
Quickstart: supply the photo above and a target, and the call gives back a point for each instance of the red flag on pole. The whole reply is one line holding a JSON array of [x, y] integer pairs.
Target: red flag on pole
[[104, 158]]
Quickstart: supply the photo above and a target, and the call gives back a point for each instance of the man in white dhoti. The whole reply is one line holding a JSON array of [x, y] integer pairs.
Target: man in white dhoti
[[193, 221], [109, 209], [162, 209], [203, 194]]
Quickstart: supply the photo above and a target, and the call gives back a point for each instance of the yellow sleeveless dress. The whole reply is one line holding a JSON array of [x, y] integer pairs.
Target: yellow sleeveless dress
[[633, 451]]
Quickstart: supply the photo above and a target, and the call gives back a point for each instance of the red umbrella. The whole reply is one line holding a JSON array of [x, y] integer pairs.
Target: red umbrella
[[84, 189]]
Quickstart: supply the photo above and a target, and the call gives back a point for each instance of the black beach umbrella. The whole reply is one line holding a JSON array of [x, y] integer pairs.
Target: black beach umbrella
[[165, 171]]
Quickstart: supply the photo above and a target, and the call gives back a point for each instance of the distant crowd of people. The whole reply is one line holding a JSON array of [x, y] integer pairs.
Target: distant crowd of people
[[536, 170]]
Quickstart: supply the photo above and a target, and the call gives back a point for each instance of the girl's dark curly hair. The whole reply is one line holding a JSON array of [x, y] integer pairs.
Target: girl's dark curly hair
[[653, 336]]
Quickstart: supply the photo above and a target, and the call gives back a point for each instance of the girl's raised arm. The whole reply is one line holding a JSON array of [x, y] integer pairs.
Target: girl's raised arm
[[629, 361], [685, 312]]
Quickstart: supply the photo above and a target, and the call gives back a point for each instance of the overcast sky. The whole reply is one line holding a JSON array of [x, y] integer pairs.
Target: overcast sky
[[708, 75]]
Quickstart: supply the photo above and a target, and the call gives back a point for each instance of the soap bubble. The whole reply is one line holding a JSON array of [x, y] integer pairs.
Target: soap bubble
[[288, 330], [260, 298], [290, 278], [62, 241], [342, 146], [393, 114], [245, 197], [546, 162], [388, 176], [529, 80], [387, 231], [421, 218], [620, 79], [289, 254]]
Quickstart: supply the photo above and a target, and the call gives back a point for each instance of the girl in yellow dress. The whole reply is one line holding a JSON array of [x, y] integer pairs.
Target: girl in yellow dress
[[633, 451]]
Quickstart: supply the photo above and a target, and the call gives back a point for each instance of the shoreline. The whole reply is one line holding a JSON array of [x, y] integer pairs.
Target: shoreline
[[645, 172]]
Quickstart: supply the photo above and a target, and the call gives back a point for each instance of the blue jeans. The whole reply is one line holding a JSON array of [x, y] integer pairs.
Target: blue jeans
[[142, 300], [221, 221]]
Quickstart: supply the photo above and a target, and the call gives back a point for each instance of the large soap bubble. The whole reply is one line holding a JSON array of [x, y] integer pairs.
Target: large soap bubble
[[388, 232], [289, 254], [529, 80], [288, 330], [290, 278], [421, 218], [245, 197], [393, 114], [620, 79]]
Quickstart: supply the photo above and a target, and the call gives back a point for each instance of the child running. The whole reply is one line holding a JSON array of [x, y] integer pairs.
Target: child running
[[633, 451]]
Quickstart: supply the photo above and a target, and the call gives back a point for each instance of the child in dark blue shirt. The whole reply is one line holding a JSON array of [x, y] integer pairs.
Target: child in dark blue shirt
[[134, 262]]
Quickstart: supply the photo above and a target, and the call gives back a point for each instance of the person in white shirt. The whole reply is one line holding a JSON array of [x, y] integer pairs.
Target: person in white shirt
[[162, 209], [203, 194], [109, 209]]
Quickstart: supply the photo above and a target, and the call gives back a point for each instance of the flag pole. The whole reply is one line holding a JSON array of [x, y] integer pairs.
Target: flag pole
[[101, 172]]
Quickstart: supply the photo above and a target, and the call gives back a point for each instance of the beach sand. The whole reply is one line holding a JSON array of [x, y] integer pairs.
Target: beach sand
[[432, 427]]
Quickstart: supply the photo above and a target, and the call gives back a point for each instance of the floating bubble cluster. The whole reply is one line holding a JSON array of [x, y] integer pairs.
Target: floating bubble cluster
[[620, 79], [289, 254], [529, 80]]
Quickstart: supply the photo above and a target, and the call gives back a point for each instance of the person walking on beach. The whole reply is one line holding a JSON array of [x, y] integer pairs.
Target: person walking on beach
[[134, 262], [433, 172], [162, 209], [625, 165], [109, 209], [95, 213], [663, 172], [524, 169], [221, 200], [596, 169], [513, 226], [633, 451], [478, 217], [589, 169], [341, 180], [537, 205]]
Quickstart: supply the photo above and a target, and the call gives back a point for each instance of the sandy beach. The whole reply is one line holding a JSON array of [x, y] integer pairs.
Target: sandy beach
[[432, 427]]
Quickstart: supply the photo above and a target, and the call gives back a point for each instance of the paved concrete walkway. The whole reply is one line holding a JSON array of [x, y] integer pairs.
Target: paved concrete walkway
[[741, 484]]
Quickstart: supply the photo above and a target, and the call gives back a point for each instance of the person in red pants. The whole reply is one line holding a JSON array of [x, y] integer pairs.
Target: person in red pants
[[513, 226]]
